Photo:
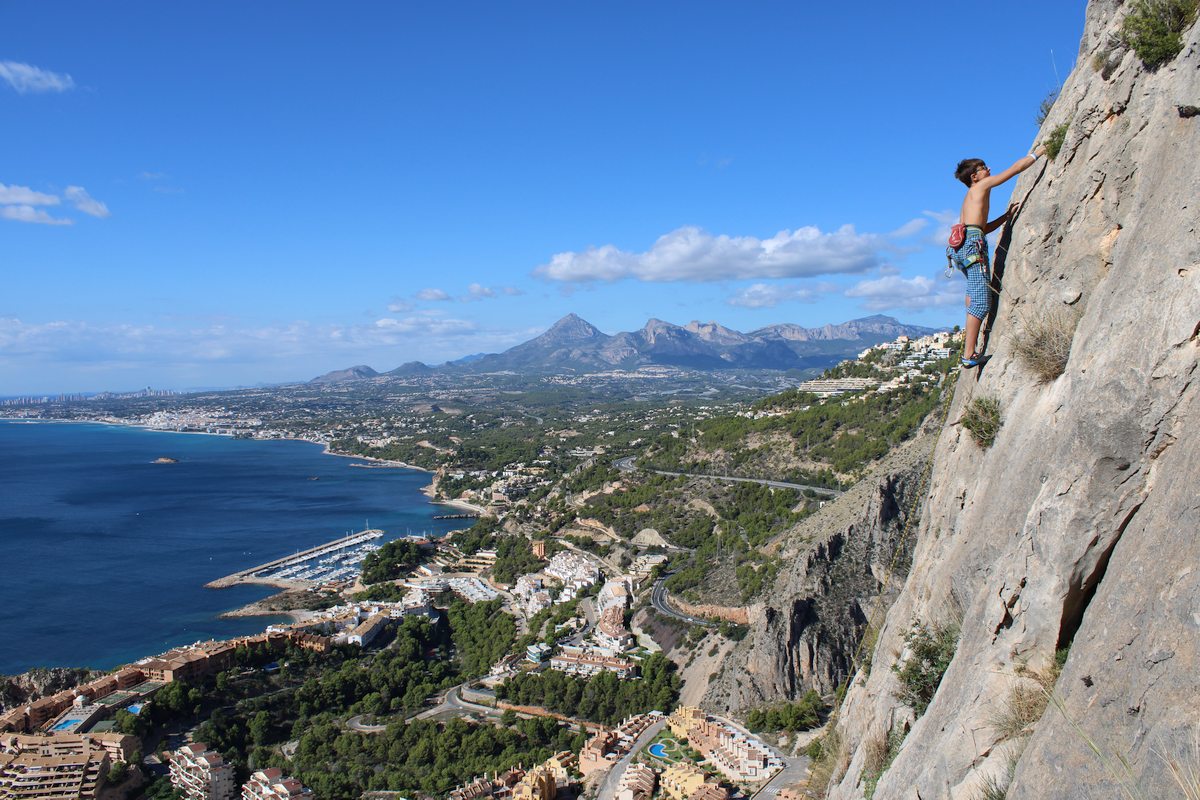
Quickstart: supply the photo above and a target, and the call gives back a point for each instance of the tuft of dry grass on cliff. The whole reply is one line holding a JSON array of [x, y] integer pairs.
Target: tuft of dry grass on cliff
[[1185, 770], [830, 760], [982, 419], [1025, 701], [1044, 343]]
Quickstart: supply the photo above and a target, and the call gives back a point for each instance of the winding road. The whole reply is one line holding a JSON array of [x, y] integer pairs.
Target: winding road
[[658, 598], [626, 464]]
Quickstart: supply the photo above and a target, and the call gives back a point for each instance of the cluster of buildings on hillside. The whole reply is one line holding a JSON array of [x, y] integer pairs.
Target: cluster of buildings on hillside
[[607, 747], [543, 782], [199, 773], [61, 766], [739, 757], [573, 573], [65, 745], [361, 623]]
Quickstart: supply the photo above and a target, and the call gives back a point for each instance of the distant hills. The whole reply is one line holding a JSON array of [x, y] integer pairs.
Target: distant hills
[[574, 345]]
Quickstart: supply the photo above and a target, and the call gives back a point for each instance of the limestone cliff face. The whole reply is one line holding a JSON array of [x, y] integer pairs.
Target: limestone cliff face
[[1080, 526], [838, 564]]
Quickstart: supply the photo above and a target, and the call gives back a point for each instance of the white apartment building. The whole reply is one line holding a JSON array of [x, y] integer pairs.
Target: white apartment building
[[201, 774]]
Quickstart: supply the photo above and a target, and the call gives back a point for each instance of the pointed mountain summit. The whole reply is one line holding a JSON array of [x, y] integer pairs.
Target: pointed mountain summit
[[571, 328]]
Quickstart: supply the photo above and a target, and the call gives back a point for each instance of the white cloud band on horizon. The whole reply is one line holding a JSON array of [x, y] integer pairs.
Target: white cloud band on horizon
[[23, 195], [28, 79], [692, 254], [33, 215]]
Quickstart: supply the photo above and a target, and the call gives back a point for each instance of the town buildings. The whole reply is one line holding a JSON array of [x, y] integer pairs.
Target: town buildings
[[272, 784], [587, 661]]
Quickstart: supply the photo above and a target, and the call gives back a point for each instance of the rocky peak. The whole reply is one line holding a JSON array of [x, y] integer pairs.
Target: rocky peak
[[571, 328]]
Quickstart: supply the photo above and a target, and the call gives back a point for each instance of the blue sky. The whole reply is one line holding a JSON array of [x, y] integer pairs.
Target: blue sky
[[228, 193]]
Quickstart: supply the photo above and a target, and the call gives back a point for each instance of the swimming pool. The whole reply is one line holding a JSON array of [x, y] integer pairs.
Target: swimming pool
[[66, 723], [658, 750]]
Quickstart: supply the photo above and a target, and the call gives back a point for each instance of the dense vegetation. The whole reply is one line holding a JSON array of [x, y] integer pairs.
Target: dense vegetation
[[420, 757], [482, 634], [799, 716], [514, 558], [391, 561], [601, 698]]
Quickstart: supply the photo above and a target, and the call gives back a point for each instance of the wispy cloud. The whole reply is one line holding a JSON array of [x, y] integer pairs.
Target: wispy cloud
[[79, 341], [28, 79], [763, 295], [398, 305], [83, 201], [433, 295], [910, 294], [910, 228], [31, 214], [692, 254], [477, 291]]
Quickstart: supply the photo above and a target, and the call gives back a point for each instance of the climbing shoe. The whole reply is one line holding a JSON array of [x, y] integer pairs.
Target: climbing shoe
[[973, 361]]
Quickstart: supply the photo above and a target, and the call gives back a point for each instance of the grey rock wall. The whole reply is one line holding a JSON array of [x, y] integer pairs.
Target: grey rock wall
[[1080, 526], [838, 564]]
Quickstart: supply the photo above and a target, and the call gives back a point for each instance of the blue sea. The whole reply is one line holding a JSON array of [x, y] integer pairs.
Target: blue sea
[[104, 554]]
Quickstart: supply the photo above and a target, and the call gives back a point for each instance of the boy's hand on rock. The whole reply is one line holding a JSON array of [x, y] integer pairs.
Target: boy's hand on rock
[[1040, 150]]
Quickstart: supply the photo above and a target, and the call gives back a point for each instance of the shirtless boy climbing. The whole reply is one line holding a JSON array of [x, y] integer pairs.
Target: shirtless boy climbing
[[972, 255]]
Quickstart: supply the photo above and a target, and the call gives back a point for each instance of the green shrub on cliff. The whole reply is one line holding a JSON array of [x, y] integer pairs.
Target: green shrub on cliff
[[1054, 141], [1154, 29], [982, 419], [930, 651]]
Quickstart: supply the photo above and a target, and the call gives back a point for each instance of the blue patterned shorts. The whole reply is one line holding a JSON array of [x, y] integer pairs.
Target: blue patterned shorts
[[972, 258], [978, 291]]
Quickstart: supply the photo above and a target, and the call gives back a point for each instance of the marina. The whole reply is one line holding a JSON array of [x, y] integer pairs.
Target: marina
[[339, 560]]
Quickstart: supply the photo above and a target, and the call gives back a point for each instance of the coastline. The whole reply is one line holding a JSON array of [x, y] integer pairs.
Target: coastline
[[284, 593]]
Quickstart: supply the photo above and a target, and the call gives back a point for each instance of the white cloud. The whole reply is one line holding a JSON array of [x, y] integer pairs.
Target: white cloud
[[398, 305], [691, 254], [910, 294], [23, 195], [28, 79], [31, 214], [432, 295], [763, 295], [477, 291], [85, 202]]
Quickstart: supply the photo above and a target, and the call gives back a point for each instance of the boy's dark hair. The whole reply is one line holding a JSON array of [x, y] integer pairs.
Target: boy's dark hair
[[966, 168]]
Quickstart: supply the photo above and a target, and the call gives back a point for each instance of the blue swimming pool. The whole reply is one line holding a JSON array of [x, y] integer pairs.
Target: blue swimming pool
[[135, 708], [658, 750], [66, 723]]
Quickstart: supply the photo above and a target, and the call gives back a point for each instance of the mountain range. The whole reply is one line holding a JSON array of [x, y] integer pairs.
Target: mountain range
[[575, 345]]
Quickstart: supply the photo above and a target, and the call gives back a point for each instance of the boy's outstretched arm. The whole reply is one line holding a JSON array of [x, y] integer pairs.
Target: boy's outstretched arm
[[1023, 163]]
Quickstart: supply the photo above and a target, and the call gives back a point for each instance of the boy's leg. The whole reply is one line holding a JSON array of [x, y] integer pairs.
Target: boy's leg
[[978, 305], [971, 339]]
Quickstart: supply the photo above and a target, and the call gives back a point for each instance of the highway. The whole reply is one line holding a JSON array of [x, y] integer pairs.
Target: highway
[[626, 465]]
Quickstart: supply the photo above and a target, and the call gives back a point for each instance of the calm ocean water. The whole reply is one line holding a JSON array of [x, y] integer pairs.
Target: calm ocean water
[[104, 554]]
